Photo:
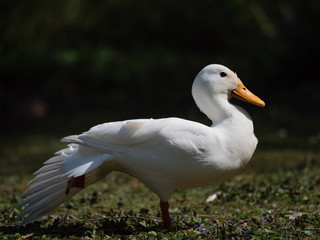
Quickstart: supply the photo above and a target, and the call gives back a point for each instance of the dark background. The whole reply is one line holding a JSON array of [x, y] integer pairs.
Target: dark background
[[67, 65]]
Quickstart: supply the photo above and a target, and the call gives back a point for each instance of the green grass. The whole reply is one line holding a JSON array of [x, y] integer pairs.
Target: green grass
[[276, 197]]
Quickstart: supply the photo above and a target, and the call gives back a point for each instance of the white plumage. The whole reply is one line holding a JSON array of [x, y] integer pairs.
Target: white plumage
[[164, 154]]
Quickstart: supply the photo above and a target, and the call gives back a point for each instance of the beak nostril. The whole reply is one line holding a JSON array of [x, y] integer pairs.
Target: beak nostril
[[244, 88]]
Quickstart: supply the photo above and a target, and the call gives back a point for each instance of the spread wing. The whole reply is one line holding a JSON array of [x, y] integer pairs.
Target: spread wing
[[109, 139], [104, 141]]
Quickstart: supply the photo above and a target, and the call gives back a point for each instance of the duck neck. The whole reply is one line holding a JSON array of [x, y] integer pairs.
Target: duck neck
[[219, 109]]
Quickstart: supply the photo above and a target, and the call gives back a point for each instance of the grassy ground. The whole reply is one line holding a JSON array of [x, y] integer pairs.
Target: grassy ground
[[276, 197]]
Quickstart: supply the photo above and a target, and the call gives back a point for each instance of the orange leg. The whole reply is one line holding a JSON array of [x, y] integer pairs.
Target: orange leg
[[165, 216], [75, 182]]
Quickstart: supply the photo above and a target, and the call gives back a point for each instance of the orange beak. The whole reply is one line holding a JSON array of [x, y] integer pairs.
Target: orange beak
[[242, 93]]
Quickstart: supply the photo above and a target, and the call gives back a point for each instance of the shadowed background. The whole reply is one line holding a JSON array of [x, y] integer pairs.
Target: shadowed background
[[68, 65]]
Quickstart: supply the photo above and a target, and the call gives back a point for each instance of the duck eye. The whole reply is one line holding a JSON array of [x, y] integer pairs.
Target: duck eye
[[223, 74]]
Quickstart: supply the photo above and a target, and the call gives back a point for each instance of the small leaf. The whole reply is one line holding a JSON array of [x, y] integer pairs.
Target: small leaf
[[143, 223]]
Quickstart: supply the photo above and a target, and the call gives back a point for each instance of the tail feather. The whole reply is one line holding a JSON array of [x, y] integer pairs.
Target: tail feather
[[48, 189]]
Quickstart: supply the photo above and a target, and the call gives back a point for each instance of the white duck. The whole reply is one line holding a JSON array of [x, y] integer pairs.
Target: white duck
[[164, 154]]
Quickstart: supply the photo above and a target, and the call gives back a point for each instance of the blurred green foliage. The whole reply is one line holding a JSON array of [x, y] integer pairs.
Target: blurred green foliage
[[126, 59]]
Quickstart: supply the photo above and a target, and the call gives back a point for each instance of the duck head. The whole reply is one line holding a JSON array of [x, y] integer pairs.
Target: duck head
[[214, 86]]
